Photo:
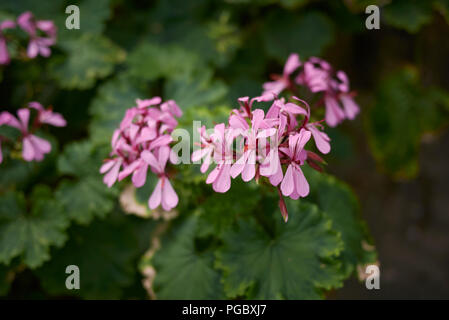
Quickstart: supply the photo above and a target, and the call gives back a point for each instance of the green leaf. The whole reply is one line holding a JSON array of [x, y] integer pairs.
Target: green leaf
[[81, 159], [86, 199], [409, 15], [90, 57], [150, 61], [109, 106], [195, 90], [293, 263], [30, 234], [106, 253], [340, 204], [220, 211], [183, 271], [403, 113], [308, 35]]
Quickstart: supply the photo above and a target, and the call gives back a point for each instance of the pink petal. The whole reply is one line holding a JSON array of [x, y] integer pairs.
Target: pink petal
[[164, 154], [213, 175], [42, 145], [169, 196], [140, 176], [160, 141], [148, 102], [249, 170], [288, 184], [146, 134], [156, 196], [350, 107], [237, 122], [270, 164], [33, 49], [149, 158], [223, 181], [128, 169], [276, 178], [27, 149], [110, 178], [258, 116], [55, 119], [292, 64], [107, 166], [321, 139], [334, 115], [238, 166], [301, 184], [272, 89], [24, 117], [206, 162]]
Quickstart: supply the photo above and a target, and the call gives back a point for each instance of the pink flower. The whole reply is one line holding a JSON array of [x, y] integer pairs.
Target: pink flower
[[246, 164], [289, 109], [220, 176], [4, 54], [206, 151], [38, 44], [271, 165], [163, 192], [47, 115], [294, 183], [34, 148], [141, 142], [282, 82], [315, 75], [319, 76]]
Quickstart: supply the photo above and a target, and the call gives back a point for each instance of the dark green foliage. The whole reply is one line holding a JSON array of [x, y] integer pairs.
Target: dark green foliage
[[204, 54]]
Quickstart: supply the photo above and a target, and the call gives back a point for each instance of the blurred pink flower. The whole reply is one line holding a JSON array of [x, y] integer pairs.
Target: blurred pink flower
[[47, 115], [283, 81], [34, 148], [4, 54], [38, 44]]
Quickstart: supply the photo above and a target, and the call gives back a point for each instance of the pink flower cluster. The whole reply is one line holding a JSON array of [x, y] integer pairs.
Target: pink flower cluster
[[318, 76], [143, 141], [34, 147], [42, 34], [264, 144]]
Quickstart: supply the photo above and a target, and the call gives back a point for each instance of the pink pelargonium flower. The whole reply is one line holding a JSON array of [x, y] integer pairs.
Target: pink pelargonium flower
[[163, 192], [260, 129], [319, 76], [38, 44], [282, 82], [34, 148], [220, 176], [315, 75], [294, 183], [47, 115], [271, 165], [206, 151], [4, 54], [322, 140], [337, 93]]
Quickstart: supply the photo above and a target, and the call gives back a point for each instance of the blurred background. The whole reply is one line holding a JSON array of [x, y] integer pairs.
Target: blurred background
[[394, 155]]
